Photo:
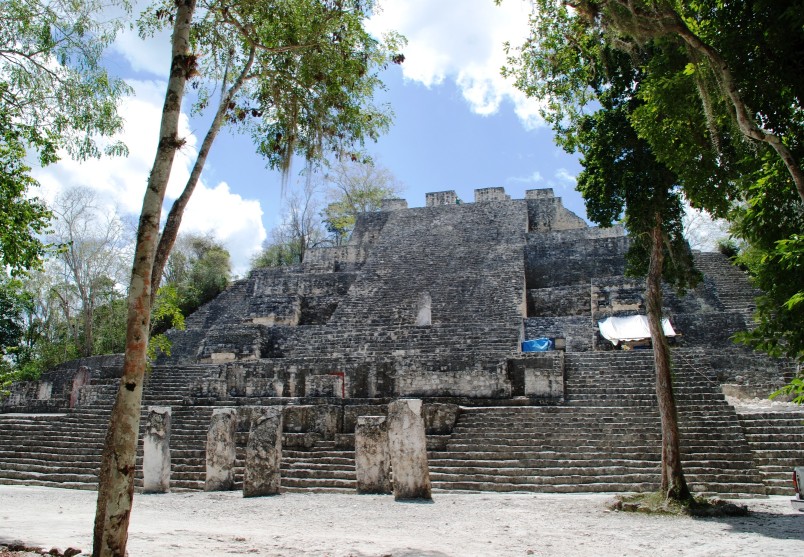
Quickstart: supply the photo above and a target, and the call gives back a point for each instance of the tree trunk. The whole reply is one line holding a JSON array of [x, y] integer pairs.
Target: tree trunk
[[171, 229], [89, 336], [116, 482], [674, 486]]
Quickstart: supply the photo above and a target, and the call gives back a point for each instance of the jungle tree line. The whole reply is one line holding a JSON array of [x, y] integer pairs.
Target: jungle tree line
[[74, 304]]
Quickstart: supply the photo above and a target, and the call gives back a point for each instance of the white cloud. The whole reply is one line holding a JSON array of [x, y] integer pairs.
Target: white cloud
[[120, 181], [150, 56], [534, 178], [461, 40], [564, 178]]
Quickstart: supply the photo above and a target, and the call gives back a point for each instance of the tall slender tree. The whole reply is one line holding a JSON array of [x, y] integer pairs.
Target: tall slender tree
[[300, 75], [569, 65]]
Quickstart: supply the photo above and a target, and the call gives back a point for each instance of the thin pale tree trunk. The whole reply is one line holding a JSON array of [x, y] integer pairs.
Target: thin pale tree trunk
[[116, 483], [674, 485], [171, 229]]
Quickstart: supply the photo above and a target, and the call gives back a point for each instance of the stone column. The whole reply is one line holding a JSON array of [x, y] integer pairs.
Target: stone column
[[156, 451], [221, 442], [372, 458], [408, 448], [263, 455]]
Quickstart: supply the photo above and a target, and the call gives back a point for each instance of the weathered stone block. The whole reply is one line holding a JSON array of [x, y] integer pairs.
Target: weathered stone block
[[394, 204], [433, 199], [324, 386], [221, 444], [353, 411], [262, 475], [325, 419], [538, 375], [156, 451], [300, 440], [439, 418], [372, 456], [490, 194], [81, 379], [408, 448]]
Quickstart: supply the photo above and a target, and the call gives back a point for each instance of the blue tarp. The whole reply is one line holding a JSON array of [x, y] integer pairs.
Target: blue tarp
[[537, 345]]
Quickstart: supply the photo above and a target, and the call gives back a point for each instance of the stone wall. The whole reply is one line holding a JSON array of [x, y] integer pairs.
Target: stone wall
[[561, 301], [547, 213], [551, 260], [579, 331], [468, 258], [64, 387]]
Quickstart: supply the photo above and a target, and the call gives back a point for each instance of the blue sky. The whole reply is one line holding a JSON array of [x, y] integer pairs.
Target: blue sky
[[458, 126]]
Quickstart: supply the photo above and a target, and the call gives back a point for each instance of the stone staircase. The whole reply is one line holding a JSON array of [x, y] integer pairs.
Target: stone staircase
[[52, 450], [776, 440], [607, 437], [731, 283]]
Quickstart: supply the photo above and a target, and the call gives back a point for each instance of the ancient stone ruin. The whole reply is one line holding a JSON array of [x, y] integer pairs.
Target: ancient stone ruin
[[270, 381]]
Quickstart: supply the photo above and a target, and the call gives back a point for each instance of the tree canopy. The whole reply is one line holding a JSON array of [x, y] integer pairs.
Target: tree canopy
[[354, 187], [55, 95]]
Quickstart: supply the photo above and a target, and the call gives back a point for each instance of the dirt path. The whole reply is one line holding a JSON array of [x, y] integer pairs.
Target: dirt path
[[192, 524]]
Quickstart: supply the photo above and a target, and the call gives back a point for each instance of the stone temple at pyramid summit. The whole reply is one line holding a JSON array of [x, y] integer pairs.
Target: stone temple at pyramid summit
[[442, 304]]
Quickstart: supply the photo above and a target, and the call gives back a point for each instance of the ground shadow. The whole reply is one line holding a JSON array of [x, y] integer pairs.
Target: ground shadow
[[768, 524]]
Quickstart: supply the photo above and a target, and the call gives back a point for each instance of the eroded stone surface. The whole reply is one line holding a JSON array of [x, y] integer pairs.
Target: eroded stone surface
[[221, 444], [372, 456], [408, 448], [156, 451], [263, 455]]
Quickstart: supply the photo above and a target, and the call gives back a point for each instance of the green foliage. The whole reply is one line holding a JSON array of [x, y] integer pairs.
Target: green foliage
[[728, 247], [23, 218], [794, 390], [691, 113], [275, 255], [354, 187], [314, 69], [54, 95], [165, 314], [198, 269], [54, 90], [13, 303]]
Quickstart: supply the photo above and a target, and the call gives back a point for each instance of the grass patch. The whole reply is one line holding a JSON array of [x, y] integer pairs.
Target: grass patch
[[656, 503]]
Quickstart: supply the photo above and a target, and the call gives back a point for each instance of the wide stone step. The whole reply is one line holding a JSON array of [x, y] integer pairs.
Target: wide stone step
[[468, 485]]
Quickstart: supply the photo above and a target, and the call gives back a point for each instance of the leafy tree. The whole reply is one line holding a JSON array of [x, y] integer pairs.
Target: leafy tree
[[165, 314], [23, 218], [735, 59], [299, 74], [301, 229], [568, 62], [54, 95], [622, 177], [274, 255], [92, 253], [355, 187], [708, 61], [12, 305], [198, 269]]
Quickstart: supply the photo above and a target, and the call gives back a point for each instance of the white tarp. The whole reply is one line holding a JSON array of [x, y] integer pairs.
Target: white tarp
[[635, 327]]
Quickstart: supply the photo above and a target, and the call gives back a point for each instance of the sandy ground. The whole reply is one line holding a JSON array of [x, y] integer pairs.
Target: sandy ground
[[224, 523]]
